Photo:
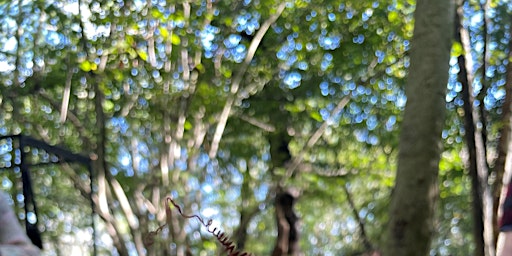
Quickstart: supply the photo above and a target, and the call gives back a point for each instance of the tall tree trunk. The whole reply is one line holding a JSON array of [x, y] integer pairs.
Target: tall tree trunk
[[474, 145], [410, 226], [287, 225], [101, 169], [502, 167], [247, 210], [287, 242], [476, 192]]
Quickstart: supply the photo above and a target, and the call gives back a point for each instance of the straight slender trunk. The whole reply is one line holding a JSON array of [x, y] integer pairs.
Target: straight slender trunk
[[482, 203], [502, 167], [410, 226], [465, 78]]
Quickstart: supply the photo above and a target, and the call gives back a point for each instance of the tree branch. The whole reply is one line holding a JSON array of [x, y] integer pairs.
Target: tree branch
[[235, 85]]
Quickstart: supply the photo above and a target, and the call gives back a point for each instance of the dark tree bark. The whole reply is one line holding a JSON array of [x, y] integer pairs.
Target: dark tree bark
[[464, 78], [410, 226], [287, 242], [504, 146], [287, 225]]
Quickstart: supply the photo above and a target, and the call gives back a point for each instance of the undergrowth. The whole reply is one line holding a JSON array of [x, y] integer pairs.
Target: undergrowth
[[221, 237]]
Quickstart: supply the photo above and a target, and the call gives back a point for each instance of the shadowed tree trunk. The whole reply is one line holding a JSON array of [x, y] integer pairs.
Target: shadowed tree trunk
[[502, 167], [287, 225], [287, 242], [247, 212], [465, 77], [410, 226]]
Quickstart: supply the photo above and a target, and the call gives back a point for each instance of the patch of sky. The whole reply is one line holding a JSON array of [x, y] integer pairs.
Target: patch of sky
[[291, 60], [406, 44], [203, 160], [391, 36], [401, 100], [329, 42], [239, 53], [341, 7], [181, 164], [324, 88], [207, 188], [359, 39], [349, 15], [233, 194], [236, 177], [326, 61], [6, 66], [351, 86], [336, 80], [260, 193], [313, 13], [367, 14], [373, 99], [278, 29], [298, 46], [331, 17], [354, 109], [292, 79], [209, 212], [313, 27], [292, 36], [284, 52], [6, 183], [371, 122], [390, 123], [362, 135], [310, 47], [207, 36], [10, 45], [55, 39], [233, 40], [248, 22], [324, 113], [380, 56]]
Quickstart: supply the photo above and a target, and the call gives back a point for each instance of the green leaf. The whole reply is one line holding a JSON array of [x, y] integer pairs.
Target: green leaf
[[316, 116], [175, 39], [85, 66], [108, 105], [142, 54], [457, 49], [88, 66], [187, 126], [393, 17], [156, 14], [164, 32]]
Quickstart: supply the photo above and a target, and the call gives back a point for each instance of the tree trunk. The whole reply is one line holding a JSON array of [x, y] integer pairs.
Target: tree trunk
[[101, 169], [287, 242], [502, 166], [287, 225], [465, 77], [410, 226]]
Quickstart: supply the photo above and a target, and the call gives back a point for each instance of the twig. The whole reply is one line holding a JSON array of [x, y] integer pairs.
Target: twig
[[223, 239]]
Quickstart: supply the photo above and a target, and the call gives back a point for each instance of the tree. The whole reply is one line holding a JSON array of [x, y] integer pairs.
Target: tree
[[410, 226], [223, 104]]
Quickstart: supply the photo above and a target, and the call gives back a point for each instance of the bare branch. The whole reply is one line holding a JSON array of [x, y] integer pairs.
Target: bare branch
[[235, 85], [315, 137]]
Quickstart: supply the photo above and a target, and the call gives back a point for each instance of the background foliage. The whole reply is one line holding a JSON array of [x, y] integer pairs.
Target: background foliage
[[195, 99]]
